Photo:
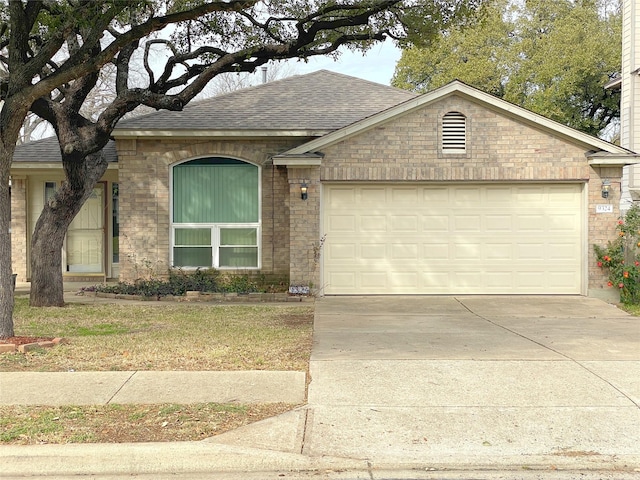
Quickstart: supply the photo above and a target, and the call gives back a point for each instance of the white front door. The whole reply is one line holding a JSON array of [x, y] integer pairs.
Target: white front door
[[85, 236]]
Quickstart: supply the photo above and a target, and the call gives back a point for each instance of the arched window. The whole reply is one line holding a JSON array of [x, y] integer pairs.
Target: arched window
[[215, 214], [454, 133]]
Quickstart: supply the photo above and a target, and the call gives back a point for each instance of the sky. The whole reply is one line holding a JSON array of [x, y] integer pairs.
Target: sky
[[377, 65]]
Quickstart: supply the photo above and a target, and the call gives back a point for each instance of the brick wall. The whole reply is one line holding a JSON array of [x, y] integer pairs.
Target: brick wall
[[305, 227], [602, 226], [499, 148], [19, 227], [144, 167]]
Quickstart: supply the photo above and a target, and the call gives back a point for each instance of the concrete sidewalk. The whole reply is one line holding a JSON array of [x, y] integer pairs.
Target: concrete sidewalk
[[145, 387]]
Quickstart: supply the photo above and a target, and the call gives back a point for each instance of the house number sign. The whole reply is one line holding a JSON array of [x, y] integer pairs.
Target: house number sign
[[604, 208]]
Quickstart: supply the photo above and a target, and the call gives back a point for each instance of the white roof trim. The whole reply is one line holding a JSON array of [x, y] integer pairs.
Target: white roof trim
[[126, 133], [17, 166], [613, 160], [455, 87], [297, 162]]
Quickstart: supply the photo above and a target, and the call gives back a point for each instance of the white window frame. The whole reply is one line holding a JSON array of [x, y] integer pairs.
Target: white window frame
[[215, 243]]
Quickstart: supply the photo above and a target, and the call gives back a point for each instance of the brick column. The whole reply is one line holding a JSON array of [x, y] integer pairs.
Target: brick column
[[19, 227], [602, 226], [304, 227]]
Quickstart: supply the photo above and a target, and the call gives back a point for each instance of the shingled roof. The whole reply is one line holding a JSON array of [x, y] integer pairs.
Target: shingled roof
[[321, 100], [47, 150]]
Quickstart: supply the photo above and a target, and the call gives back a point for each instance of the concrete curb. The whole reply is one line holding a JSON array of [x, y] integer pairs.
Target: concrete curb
[[203, 457]]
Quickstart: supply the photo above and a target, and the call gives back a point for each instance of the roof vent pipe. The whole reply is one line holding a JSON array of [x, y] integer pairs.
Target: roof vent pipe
[[264, 74]]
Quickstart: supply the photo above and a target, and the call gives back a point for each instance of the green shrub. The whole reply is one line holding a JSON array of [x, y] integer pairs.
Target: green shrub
[[180, 281], [620, 258]]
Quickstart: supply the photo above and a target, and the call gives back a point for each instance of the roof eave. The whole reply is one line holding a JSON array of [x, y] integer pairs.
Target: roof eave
[[153, 133], [28, 165], [603, 159], [303, 160]]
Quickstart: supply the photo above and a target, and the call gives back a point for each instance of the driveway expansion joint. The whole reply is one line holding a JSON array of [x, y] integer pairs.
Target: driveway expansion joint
[[569, 358]]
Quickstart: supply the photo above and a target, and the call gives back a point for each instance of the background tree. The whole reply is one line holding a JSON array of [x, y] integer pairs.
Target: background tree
[[550, 56], [208, 38]]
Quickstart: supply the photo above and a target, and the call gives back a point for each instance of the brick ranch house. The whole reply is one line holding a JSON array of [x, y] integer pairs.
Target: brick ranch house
[[344, 186]]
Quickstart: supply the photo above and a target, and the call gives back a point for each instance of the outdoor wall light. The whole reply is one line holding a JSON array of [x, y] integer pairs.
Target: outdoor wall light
[[303, 191], [606, 186]]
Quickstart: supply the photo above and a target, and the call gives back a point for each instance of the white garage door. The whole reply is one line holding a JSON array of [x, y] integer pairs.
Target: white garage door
[[452, 239]]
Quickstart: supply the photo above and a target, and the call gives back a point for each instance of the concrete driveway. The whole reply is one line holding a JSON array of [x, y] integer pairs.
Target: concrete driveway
[[517, 382]]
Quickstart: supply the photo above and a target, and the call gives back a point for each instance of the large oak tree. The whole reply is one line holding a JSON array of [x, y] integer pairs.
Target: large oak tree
[[53, 52], [550, 56]]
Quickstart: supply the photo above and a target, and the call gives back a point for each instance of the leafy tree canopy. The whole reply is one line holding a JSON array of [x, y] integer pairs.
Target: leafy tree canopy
[[550, 56]]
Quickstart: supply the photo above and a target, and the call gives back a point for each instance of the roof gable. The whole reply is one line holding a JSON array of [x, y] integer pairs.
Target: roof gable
[[321, 101], [457, 88]]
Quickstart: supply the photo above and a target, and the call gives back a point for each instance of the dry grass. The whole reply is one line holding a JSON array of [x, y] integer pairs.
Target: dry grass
[[157, 336], [126, 423], [165, 336]]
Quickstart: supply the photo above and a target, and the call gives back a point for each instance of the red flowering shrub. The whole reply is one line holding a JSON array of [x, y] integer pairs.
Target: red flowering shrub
[[626, 277]]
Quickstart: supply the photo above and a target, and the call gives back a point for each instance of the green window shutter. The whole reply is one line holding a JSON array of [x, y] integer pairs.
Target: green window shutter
[[215, 193]]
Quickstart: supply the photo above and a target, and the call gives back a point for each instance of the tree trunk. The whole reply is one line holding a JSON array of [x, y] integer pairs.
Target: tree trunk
[[6, 288], [12, 112], [51, 227]]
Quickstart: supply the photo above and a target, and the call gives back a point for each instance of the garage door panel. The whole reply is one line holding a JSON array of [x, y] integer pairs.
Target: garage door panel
[[563, 222], [562, 280], [466, 196], [342, 197], [530, 196], [498, 224], [372, 197], [404, 251], [562, 251], [341, 251], [435, 223], [467, 223], [435, 196], [497, 196], [434, 251], [500, 280], [454, 239], [404, 223], [466, 250], [373, 223], [531, 223], [342, 281], [375, 251], [404, 195], [498, 251]]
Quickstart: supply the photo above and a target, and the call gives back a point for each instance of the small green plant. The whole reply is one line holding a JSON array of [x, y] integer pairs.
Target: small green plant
[[180, 281], [620, 257]]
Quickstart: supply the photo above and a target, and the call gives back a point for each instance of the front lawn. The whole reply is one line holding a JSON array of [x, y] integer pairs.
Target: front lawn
[[157, 336], [165, 336]]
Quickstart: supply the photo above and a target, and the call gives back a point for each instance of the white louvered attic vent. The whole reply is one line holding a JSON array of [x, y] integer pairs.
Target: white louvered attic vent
[[454, 133]]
